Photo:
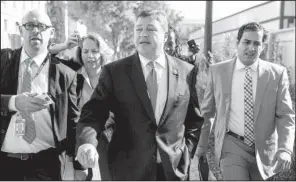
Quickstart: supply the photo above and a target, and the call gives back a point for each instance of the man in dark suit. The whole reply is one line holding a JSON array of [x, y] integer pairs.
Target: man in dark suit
[[150, 94], [35, 131]]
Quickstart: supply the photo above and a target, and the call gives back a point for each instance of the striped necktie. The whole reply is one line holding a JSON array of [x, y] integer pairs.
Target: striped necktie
[[249, 114], [30, 133]]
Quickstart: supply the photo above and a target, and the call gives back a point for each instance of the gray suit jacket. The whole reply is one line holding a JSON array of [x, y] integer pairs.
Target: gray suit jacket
[[273, 113]]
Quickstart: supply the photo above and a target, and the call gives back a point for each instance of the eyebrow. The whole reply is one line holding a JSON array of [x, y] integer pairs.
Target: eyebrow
[[252, 40]]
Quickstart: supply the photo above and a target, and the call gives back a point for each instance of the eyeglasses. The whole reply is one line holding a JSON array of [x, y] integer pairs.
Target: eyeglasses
[[30, 26]]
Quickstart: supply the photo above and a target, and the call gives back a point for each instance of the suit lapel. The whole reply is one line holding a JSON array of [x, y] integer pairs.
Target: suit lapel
[[263, 77], [15, 61], [53, 75], [226, 81], [136, 75], [173, 75]]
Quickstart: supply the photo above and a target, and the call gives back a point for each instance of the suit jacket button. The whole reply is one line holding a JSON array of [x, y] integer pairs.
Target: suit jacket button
[[2, 131]]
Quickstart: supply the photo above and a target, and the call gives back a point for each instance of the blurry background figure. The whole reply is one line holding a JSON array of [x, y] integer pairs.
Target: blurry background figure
[[198, 59], [88, 63], [201, 69], [173, 45], [173, 48]]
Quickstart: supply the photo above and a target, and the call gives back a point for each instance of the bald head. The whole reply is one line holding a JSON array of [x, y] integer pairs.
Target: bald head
[[36, 31], [36, 16]]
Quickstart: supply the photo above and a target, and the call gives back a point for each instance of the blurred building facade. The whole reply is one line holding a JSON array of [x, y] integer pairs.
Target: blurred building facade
[[278, 17], [11, 14], [273, 15]]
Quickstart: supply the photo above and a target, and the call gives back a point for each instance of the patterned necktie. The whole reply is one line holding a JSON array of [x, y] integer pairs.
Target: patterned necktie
[[249, 114], [151, 82], [30, 133]]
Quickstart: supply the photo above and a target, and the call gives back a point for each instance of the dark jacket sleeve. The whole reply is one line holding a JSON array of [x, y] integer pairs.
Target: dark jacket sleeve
[[73, 116], [6, 89], [95, 112], [193, 120]]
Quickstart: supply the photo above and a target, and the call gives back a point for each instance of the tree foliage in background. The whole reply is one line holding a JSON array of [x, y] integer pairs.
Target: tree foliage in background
[[114, 20], [56, 13], [225, 49]]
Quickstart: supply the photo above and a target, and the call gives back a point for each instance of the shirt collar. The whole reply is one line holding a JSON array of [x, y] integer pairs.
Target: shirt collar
[[160, 60], [83, 72], [38, 59], [240, 65]]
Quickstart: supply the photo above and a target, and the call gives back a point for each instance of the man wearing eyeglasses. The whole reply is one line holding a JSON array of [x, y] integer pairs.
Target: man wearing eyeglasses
[[38, 106]]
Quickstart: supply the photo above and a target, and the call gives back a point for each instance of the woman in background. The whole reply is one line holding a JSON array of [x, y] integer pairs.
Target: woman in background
[[88, 63]]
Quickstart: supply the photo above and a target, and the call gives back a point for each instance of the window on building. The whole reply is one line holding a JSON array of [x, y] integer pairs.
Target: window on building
[[291, 22], [5, 25]]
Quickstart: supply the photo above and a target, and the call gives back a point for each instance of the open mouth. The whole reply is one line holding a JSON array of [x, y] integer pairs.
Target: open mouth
[[250, 54], [144, 42]]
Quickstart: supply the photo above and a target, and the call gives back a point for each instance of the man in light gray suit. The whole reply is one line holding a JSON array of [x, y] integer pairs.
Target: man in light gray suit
[[254, 127]]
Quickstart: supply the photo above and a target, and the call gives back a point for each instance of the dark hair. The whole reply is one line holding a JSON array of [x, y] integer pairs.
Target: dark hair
[[156, 15], [96, 39], [252, 26], [177, 51]]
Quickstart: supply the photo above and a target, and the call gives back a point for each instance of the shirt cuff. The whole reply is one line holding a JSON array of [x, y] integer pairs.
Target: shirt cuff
[[11, 103], [286, 150]]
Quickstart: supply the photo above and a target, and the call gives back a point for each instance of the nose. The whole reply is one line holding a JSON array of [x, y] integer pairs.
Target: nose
[[35, 29], [143, 33], [252, 47], [90, 54]]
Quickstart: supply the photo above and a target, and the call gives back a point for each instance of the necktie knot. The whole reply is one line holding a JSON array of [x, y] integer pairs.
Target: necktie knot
[[29, 62], [151, 64], [247, 69]]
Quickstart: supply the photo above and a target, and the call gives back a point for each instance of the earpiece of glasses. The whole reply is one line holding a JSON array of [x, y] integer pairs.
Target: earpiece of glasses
[[40, 26]]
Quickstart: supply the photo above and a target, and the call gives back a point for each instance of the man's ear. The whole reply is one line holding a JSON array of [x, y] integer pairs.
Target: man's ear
[[237, 42], [264, 45], [52, 31], [166, 37], [20, 27]]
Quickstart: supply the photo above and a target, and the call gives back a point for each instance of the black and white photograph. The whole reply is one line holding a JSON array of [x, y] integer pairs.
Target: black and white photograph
[[147, 91]]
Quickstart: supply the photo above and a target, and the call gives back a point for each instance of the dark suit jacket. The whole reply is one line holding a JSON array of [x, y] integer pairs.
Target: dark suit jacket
[[75, 65], [132, 151], [62, 86]]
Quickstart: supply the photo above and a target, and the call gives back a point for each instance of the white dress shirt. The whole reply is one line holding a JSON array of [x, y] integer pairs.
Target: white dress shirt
[[162, 81], [236, 110], [44, 135]]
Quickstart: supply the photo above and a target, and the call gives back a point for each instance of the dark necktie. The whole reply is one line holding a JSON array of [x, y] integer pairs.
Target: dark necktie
[[30, 133], [249, 114]]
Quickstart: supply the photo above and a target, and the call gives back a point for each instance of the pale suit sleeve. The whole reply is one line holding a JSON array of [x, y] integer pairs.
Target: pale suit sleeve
[[208, 110], [285, 116]]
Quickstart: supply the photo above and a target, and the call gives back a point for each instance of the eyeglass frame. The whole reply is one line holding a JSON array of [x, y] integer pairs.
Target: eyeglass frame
[[38, 26]]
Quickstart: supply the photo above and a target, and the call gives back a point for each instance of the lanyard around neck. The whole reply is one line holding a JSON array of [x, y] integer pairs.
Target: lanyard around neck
[[41, 66]]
